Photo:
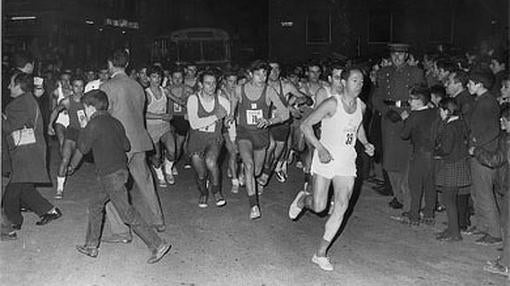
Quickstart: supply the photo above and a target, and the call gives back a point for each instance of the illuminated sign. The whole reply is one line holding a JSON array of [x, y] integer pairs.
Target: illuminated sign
[[123, 23]]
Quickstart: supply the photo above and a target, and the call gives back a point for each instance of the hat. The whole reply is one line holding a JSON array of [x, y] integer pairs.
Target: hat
[[398, 47]]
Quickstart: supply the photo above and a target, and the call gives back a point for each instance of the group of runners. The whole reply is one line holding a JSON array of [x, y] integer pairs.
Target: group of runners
[[263, 119]]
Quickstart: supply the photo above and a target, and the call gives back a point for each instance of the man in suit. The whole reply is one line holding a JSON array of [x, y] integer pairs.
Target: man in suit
[[391, 94], [126, 100]]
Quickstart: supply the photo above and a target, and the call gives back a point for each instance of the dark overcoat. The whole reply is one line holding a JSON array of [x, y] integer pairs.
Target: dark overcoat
[[394, 84], [28, 162]]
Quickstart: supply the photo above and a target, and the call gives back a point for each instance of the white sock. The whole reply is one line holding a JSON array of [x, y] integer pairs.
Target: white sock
[[60, 183], [168, 166], [159, 173], [278, 166], [235, 182]]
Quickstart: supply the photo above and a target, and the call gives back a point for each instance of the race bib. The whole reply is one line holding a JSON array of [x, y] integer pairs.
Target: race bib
[[349, 139], [273, 113], [253, 116], [209, 129], [82, 118], [177, 108]]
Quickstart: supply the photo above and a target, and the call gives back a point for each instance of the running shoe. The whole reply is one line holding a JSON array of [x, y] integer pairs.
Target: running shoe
[[295, 209], [162, 183], [323, 262], [220, 201], [281, 176], [202, 201], [170, 178], [242, 179], [255, 212], [260, 189], [235, 188], [187, 166], [59, 195], [174, 171]]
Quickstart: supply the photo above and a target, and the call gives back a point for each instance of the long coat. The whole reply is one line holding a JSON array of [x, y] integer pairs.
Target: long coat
[[28, 162], [126, 103], [394, 84]]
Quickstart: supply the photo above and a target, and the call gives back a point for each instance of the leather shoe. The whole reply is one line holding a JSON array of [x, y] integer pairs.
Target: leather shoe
[[158, 253], [395, 204], [16, 226], [87, 250], [48, 217]]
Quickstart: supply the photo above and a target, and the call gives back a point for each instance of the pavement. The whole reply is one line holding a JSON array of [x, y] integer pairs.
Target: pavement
[[221, 246]]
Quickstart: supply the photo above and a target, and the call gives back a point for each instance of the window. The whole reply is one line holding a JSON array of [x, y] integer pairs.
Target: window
[[318, 27]]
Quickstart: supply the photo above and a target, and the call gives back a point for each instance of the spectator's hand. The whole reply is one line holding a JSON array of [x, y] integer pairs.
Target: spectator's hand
[[471, 150], [324, 155], [369, 149], [404, 115]]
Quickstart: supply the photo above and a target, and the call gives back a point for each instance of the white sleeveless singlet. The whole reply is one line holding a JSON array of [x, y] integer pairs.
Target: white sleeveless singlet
[[157, 106], [338, 136]]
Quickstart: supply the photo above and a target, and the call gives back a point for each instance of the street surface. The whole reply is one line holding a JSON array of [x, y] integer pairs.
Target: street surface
[[221, 246]]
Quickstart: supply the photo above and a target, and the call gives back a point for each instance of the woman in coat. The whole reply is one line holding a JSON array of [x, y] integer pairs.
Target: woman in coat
[[28, 158]]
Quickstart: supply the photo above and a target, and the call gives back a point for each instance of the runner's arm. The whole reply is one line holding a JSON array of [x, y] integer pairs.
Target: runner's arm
[[195, 121], [325, 109], [282, 112], [362, 135]]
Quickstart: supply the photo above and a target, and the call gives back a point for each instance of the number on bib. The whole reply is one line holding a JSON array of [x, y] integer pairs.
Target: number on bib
[[349, 139], [253, 116], [177, 107], [209, 129]]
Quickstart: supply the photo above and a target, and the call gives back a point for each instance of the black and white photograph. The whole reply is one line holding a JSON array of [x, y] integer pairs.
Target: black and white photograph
[[255, 142]]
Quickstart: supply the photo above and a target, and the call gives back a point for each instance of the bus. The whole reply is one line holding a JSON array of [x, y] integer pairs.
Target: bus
[[202, 46]]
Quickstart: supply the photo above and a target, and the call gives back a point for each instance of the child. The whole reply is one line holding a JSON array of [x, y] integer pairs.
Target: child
[[437, 92], [418, 127], [106, 137], [504, 90], [77, 120], [451, 164]]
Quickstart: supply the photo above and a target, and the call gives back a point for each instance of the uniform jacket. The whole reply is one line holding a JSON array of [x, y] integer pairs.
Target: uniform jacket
[[28, 162], [126, 100], [394, 84]]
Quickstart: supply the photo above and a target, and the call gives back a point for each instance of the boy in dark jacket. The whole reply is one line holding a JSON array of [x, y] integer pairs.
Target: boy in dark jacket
[[106, 137], [419, 128]]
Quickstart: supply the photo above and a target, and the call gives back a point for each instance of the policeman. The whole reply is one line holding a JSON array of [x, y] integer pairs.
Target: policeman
[[390, 97]]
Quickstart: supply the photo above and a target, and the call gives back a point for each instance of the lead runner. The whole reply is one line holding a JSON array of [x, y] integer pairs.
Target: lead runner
[[334, 158]]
